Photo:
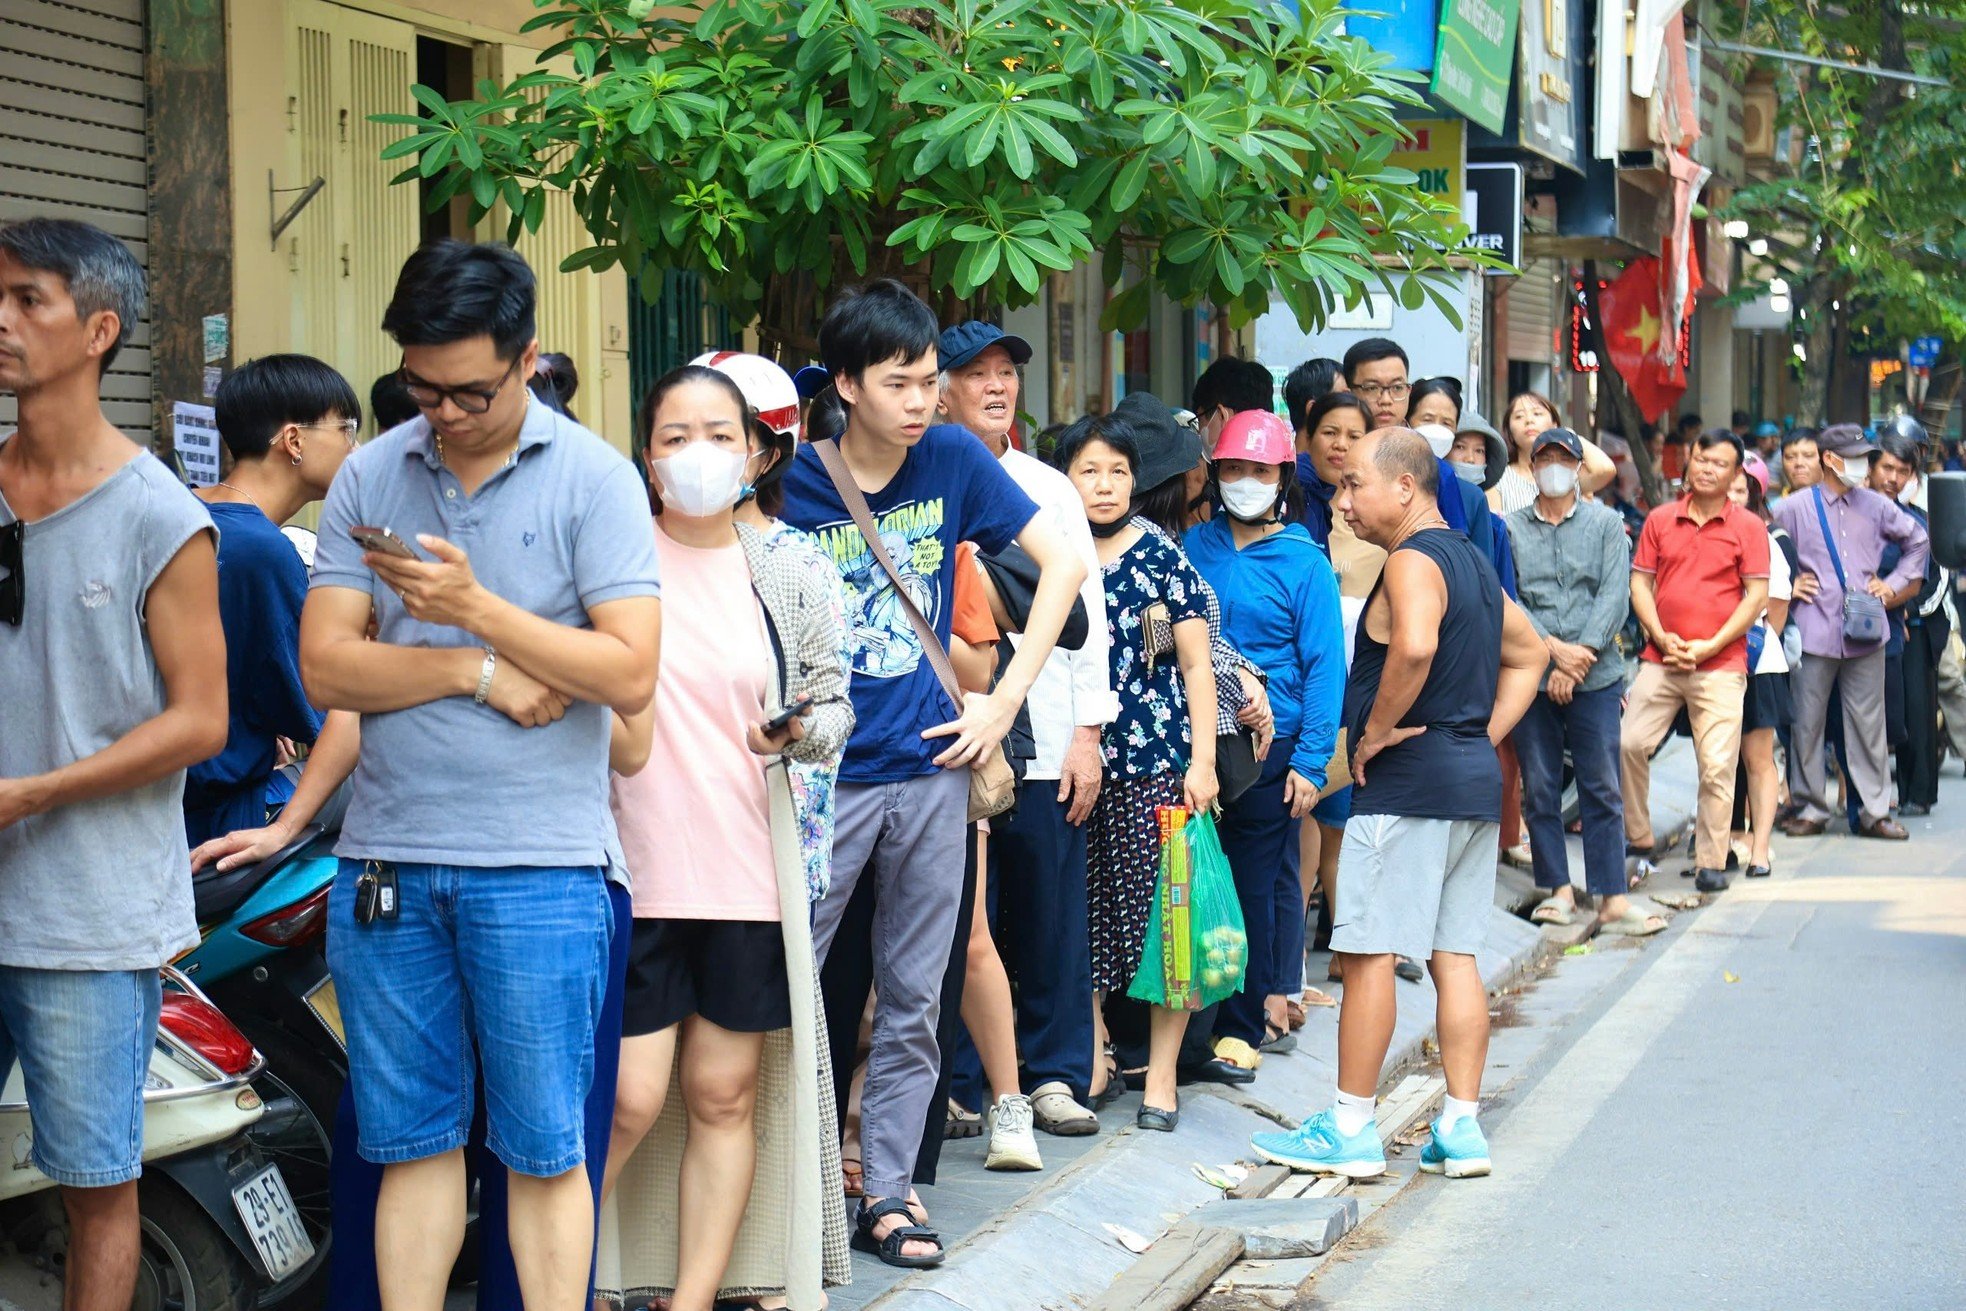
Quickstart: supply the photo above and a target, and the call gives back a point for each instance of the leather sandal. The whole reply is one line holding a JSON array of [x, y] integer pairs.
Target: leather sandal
[[889, 1248]]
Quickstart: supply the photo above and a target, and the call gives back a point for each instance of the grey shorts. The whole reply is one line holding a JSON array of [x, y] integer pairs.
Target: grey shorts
[[1414, 886]]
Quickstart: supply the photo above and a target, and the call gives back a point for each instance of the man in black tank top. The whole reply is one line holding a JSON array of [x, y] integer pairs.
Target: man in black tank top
[[1444, 667]]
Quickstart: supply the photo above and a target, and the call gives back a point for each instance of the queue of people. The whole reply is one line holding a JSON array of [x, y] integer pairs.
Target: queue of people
[[737, 820]]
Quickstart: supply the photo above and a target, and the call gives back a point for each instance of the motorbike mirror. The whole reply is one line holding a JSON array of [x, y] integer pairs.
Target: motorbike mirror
[[1946, 503]]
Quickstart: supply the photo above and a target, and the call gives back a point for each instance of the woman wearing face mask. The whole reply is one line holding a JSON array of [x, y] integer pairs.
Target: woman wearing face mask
[[1160, 751], [735, 1192], [1280, 603], [1530, 414]]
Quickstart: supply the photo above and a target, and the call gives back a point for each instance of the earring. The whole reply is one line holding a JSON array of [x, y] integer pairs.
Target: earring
[[296, 462]]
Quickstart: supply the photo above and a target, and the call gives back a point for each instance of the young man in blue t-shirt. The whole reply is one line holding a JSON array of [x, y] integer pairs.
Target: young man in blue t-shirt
[[904, 781]]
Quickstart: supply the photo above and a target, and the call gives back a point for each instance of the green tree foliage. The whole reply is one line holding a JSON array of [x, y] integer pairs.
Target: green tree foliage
[[972, 146], [1870, 226]]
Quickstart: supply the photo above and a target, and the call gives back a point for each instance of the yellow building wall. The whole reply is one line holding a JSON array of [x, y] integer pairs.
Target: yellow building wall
[[304, 75]]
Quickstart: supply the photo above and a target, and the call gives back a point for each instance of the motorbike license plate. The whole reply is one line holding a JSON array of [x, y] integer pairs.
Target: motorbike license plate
[[274, 1223]]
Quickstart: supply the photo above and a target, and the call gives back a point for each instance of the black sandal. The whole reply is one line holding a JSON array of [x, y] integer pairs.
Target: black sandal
[[888, 1249], [1116, 1086]]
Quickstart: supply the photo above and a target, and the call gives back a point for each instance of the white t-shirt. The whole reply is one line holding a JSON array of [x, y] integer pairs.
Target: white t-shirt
[[1780, 588]]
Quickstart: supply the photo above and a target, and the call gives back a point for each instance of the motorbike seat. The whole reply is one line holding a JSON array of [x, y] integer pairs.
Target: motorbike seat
[[216, 896]]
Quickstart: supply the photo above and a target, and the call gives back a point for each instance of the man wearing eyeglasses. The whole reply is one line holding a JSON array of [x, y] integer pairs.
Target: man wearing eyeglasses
[[507, 559], [1376, 370], [109, 644], [289, 422]]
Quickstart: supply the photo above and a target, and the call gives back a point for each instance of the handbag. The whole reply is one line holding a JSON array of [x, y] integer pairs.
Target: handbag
[[1156, 633], [992, 783], [1863, 614]]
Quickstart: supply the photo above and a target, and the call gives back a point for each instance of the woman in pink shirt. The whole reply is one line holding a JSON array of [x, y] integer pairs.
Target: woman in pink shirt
[[732, 1191]]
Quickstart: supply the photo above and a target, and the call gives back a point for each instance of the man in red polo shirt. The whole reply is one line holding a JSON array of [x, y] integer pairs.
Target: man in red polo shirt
[[1699, 581]]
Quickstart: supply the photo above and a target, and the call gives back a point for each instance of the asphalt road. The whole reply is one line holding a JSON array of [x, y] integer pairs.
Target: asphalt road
[[1758, 1112]]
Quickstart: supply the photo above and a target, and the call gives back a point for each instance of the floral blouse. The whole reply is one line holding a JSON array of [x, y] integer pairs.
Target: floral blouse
[[1151, 734], [1227, 661], [812, 784]]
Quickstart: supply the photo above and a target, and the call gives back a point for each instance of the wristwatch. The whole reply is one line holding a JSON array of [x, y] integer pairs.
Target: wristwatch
[[485, 673]]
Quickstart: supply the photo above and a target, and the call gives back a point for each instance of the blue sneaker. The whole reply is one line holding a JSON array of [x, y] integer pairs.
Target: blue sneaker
[[1317, 1146], [1459, 1153]]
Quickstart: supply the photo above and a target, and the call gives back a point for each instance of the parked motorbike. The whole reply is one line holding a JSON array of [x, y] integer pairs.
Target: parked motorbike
[[261, 959], [220, 1227]]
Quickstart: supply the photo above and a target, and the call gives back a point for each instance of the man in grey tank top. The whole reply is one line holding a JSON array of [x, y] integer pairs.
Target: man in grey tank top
[[109, 646], [1445, 666]]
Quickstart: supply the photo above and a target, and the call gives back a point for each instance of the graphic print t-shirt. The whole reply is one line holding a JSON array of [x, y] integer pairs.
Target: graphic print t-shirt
[[949, 490]]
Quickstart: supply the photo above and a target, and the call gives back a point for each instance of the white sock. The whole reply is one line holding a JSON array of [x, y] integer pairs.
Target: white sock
[[1352, 1113], [1453, 1110]]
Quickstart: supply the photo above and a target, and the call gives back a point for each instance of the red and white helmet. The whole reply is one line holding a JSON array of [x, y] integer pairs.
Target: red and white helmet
[[1258, 436], [766, 387]]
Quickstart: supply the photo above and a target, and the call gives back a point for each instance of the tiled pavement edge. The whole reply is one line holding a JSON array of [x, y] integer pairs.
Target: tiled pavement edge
[[1035, 1241]]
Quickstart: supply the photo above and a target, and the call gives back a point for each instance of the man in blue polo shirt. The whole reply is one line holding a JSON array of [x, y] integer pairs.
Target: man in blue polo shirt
[[471, 908], [903, 788]]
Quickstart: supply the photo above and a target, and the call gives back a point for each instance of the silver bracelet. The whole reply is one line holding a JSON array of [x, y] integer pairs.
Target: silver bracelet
[[485, 675]]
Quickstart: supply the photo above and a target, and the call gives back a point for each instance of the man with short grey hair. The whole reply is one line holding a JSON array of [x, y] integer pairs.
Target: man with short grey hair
[[1037, 850], [109, 636]]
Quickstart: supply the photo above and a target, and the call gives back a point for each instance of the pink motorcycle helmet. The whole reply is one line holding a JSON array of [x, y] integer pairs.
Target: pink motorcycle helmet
[[1259, 436]]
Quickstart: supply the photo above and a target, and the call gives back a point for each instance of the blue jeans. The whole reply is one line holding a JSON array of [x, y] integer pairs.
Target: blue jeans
[[1588, 727], [1257, 837], [354, 1182], [83, 1038], [511, 961], [1037, 875]]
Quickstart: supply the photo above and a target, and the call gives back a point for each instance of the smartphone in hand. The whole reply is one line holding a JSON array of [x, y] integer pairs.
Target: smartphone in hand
[[382, 541], [778, 722]]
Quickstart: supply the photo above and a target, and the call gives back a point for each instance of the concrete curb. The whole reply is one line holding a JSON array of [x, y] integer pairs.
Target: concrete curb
[[1053, 1248]]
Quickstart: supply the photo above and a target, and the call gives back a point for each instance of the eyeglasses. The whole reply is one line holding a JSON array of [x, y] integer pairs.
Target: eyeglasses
[[346, 427], [472, 400], [1372, 391], [13, 582]]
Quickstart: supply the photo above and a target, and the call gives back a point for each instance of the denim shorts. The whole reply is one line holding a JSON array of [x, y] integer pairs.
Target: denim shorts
[[83, 1038], [513, 960]]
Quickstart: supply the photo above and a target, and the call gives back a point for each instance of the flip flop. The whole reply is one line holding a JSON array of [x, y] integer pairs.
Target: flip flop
[[1281, 1041], [1553, 911], [851, 1175], [1318, 997], [1634, 923]]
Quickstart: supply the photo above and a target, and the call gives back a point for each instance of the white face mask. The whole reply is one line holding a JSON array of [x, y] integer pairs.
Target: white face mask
[[700, 480], [1439, 437], [1856, 468], [1249, 498], [1556, 480], [1472, 474]]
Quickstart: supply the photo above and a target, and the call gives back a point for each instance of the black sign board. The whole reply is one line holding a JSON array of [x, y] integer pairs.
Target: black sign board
[[1497, 228]]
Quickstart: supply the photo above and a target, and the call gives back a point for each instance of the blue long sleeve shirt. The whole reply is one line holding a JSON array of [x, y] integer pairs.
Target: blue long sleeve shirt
[[1280, 608]]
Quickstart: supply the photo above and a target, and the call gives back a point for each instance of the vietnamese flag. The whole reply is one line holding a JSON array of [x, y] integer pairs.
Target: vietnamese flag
[[1643, 348]]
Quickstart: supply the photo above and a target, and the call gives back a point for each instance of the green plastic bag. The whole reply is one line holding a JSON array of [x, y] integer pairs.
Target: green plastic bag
[[1196, 951]]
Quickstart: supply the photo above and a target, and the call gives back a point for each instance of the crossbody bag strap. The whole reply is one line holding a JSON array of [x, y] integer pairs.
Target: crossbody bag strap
[[1829, 539], [855, 502]]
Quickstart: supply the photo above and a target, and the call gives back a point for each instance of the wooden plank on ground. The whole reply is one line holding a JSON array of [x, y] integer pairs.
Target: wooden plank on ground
[[1174, 1272], [1262, 1181]]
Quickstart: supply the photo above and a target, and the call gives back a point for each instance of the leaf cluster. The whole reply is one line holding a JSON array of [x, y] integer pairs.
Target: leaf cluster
[[1214, 151]]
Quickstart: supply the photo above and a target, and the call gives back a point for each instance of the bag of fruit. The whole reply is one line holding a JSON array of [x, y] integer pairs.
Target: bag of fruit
[[1196, 949]]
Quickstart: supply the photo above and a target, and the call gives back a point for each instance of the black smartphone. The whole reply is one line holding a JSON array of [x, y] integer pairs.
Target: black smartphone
[[777, 722], [382, 541]]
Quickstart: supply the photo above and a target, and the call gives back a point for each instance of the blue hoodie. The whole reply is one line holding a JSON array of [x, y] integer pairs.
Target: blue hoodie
[[1280, 609]]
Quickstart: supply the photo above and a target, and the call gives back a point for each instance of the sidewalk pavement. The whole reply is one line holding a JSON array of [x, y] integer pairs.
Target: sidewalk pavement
[[1022, 1241]]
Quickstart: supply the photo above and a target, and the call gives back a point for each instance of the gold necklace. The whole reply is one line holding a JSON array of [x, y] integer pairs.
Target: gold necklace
[[248, 495]]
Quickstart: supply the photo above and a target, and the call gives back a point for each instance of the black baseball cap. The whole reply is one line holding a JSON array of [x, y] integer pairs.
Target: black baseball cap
[[1563, 437]]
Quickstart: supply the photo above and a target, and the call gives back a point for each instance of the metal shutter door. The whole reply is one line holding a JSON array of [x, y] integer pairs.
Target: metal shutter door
[[72, 145]]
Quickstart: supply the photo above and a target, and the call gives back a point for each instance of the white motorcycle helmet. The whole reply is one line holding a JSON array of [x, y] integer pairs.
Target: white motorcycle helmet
[[766, 387]]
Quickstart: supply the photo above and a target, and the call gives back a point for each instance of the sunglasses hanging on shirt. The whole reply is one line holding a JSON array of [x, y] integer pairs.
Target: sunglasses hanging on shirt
[[13, 578]]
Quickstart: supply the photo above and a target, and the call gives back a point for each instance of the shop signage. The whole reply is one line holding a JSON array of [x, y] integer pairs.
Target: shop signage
[[1435, 156], [1550, 85], [1497, 221], [1475, 56]]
